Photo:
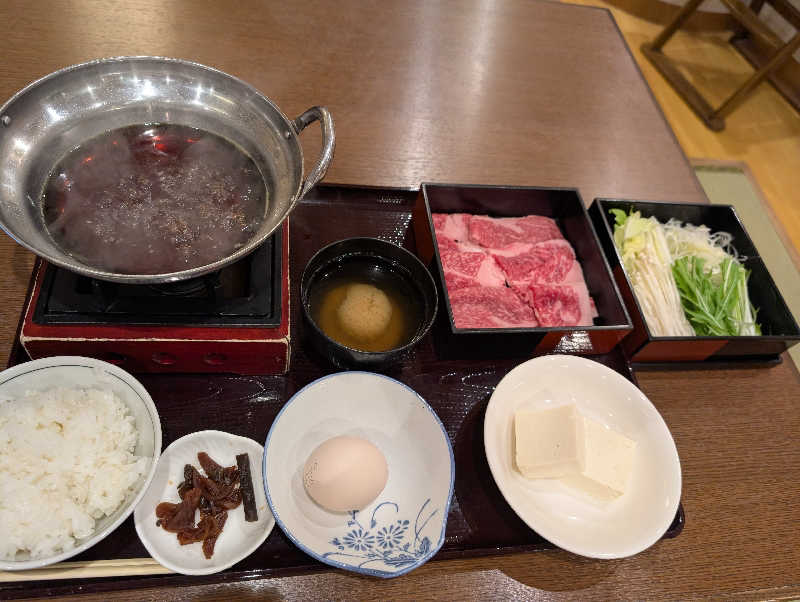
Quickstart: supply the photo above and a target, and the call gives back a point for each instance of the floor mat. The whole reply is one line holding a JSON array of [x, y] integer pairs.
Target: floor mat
[[730, 183]]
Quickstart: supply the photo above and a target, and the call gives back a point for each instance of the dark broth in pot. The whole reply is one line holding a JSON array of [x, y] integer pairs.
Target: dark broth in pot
[[153, 199]]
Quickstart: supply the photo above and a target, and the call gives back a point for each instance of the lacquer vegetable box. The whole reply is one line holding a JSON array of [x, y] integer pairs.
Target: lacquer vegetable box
[[775, 329]]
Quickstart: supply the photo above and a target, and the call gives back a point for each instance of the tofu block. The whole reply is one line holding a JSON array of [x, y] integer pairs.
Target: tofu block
[[609, 458], [549, 443]]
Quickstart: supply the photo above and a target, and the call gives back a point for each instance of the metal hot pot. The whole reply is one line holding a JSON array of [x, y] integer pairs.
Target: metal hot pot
[[45, 120]]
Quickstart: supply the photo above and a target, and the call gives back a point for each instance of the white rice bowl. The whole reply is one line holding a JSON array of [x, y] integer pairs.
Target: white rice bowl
[[79, 440]]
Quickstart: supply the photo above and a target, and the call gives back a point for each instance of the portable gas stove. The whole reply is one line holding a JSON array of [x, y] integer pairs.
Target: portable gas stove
[[234, 320]]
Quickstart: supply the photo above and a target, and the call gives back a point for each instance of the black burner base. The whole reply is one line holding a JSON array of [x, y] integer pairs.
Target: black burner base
[[246, 293]]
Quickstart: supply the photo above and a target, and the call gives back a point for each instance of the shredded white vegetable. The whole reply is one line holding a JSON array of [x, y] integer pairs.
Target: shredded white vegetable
[[647, 259], [688, 240]]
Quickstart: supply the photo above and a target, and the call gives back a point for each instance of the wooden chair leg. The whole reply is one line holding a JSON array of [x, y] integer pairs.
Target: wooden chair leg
[[741, 94], [715, 118], [684, 88], [652, 50], [672, 27], [740, 31]]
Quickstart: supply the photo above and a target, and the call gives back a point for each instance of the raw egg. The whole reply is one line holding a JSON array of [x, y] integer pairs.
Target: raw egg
[[345, 473]]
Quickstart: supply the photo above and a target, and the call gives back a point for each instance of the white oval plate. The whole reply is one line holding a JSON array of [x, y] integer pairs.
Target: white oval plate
[[86, 372], [238, 539], [623, 527], [405, 525]]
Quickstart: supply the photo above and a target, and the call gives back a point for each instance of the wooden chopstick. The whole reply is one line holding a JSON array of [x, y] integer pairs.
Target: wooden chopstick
[[87, 570]]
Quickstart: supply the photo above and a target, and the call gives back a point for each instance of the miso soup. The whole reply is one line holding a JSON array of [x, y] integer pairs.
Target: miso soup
[[365, 305]]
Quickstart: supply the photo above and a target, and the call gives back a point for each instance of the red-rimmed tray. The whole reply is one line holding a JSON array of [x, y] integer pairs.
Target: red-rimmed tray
[[480, 521]]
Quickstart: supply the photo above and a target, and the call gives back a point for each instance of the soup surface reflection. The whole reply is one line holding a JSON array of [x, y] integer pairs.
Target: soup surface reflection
[[153, 199]]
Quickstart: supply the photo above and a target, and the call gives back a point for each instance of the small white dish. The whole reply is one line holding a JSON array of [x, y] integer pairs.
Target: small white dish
[[238, 539], [622, 527], [85, 373], [405, 526]]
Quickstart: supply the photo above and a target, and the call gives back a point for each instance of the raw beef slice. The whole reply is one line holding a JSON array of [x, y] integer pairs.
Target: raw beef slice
[[445, 243], [498, 233], [454, 226], [562, 304], [469, 268], [490, 307], [548, 262]]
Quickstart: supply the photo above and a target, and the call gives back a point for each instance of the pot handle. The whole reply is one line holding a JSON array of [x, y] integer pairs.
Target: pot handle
[[328, 143]]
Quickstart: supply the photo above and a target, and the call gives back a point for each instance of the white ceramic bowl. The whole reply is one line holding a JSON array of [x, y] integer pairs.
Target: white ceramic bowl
[[622, 527], [238, 539], [69, 371], [405, 526]]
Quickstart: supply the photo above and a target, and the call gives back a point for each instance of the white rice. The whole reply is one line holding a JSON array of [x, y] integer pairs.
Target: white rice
[[66, 459]]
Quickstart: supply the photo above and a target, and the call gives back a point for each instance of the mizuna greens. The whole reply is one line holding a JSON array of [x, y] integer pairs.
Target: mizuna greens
[[687, 280], [716, 304]]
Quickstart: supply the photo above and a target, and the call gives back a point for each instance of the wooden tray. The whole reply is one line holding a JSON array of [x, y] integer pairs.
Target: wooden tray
[[480, 521]]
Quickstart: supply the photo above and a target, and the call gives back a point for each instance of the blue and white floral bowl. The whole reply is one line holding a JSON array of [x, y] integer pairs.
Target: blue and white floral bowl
[[405, 526]]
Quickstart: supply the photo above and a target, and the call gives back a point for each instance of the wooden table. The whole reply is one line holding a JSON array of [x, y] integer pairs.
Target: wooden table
[[511, 92]]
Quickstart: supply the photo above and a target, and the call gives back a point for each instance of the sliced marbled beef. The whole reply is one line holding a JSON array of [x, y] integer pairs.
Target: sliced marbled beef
[[562, 304], [547, 262], [510, 272], [454, 226], [469, 268], [500, 232], [490, 307]]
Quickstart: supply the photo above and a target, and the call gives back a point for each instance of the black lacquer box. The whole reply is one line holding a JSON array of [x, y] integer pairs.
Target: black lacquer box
[[779, 329], [564, 205]]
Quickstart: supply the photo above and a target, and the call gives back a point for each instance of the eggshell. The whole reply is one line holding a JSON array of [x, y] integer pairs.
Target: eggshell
[[345, 473]]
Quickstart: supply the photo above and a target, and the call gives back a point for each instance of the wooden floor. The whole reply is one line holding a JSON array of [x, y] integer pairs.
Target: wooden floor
[[764, 132]]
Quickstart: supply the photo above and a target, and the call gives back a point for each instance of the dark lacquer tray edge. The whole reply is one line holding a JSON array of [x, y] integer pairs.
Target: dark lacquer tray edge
[[109, 584]]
